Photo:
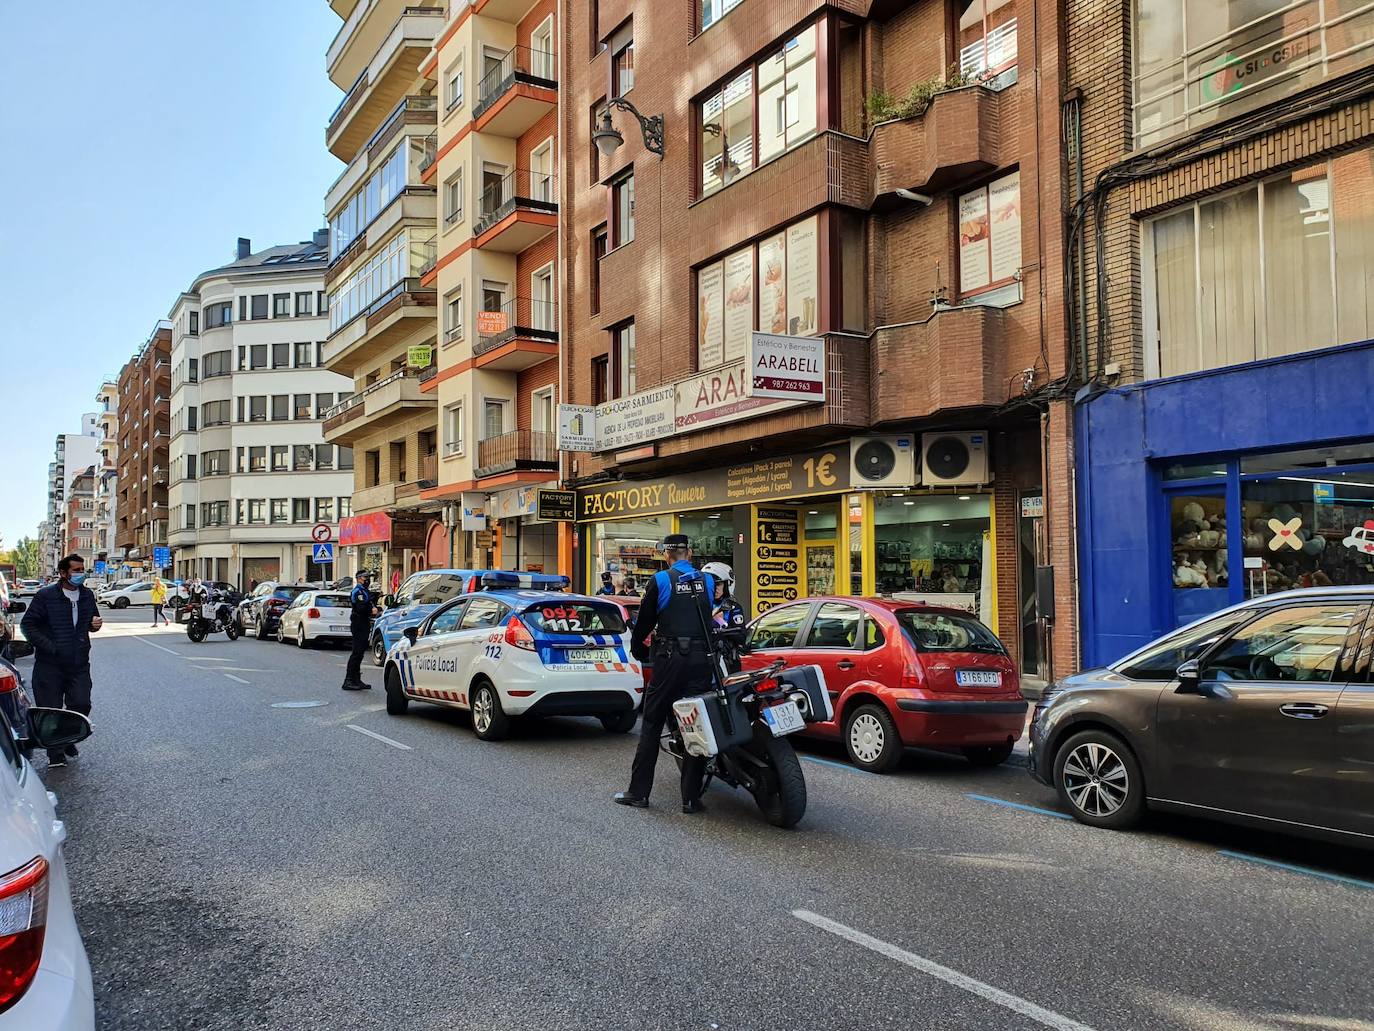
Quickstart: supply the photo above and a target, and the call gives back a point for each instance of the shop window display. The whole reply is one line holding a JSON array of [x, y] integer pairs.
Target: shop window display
[[630, 547], [937, 547], [819, 535], [712, 535], [1308, 530]]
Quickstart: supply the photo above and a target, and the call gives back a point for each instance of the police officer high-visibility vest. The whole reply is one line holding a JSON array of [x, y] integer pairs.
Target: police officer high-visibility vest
[[684, 601]]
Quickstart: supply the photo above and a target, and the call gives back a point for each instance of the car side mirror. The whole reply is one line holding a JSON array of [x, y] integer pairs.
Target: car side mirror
[[1189, 675], [411, 633], [388, 600], [20, 649], [17, 606], [54, 728]]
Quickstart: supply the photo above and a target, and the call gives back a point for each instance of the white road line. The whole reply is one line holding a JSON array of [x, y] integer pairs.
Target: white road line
[[157, 646], [379, 737], [985, 991], [239, 679]]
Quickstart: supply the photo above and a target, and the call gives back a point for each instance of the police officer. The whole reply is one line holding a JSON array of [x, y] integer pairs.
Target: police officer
[[607, 587], [363, 608], [675, 609]]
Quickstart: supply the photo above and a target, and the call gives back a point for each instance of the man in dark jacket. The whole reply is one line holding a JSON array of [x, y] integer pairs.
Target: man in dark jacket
[[362, 608], [59, 623]]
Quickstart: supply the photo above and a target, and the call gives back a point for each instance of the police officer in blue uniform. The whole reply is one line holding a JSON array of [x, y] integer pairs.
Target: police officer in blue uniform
[[607, 586], [675, 610], [362, 607]]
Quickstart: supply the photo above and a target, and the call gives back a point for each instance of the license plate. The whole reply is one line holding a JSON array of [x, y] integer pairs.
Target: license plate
[[978, 678], [337, 629], [591, 655], [784, 718]]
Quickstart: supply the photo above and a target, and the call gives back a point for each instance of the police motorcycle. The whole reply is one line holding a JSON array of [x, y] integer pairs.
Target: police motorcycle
[[741, 726], [209, 615]]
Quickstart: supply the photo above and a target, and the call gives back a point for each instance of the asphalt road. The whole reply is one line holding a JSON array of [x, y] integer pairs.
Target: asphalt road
[[238, 865]]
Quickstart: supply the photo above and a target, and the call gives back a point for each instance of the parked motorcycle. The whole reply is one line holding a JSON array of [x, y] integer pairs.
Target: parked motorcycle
[[211, 618]]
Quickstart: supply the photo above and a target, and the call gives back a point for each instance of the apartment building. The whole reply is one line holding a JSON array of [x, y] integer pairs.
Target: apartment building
[[1222, 270], [495, 158], [382, 325], [144, 429], [252, 473], [72, 454], [862, 184], [80, 515], [107, 471]]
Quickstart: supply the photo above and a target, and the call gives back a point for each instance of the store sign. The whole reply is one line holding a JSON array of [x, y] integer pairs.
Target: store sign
[[823, 471], [777, 557], [474, 511], [557, 506], [632, 420], [409, 533], [373, 527], [1032, 506], [719, 397], [787, 367], [577, 427], [513, 503], [420, 356]]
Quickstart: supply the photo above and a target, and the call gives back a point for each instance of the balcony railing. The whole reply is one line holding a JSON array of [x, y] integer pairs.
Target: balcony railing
[[419, 103], [520, 317], [519, 64], [522, 188], [428, 471], [430, 249], [346, 104], [431, 151], [519, 449]]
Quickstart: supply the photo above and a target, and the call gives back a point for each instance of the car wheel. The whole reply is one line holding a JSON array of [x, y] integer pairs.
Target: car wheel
[[871, 739], [121, 603], [489, 722], [988, 755], [281, 638], [378, 650], [1098, 778], [301, 642], [260, 629], [621, 722], [397, 704]]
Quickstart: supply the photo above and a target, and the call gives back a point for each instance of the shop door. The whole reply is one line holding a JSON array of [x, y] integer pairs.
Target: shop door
[[1197, 552], [1031, 554]]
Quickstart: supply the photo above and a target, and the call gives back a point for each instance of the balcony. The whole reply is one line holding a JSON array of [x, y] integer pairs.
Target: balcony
[[416, 110], [517, 211], [515, 94], [430, 250], [516, 451], [521, 333], [386, 322], [380, 405], [956, 360], [371, 499], [431, 153], [956, 138]]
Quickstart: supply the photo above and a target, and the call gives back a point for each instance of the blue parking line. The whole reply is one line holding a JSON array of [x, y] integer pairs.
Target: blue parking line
[[1293, 868], [1019, 805], [832, 762]]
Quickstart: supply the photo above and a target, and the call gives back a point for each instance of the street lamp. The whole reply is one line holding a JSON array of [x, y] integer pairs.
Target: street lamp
[[608, 138]]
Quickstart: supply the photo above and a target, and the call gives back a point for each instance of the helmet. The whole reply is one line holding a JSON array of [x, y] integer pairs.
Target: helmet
[[720, 571]]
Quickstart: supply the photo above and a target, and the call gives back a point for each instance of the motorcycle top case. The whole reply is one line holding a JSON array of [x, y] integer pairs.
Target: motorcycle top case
[[701, 722], [810, 680]]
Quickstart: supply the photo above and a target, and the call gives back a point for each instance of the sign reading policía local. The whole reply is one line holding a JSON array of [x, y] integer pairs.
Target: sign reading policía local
[[787, 367]]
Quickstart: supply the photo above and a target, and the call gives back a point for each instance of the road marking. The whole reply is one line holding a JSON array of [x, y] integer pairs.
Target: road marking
[[157, 646], [379, 737], [832, 762], [239, 679], [1294, 868], [1019, 805], [951, 977]]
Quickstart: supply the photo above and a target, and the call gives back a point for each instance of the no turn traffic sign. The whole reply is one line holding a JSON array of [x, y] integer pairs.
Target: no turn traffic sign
[[320, 533]]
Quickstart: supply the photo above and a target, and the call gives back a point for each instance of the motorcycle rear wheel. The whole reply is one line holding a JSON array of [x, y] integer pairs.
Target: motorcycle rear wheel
[[785, 806], [195, 632]]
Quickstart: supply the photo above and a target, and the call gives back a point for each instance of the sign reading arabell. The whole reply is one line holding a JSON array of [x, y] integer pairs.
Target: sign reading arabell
[[787, 367]]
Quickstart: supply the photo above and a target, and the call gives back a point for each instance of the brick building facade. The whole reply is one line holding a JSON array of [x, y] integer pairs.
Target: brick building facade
[[144, 424]]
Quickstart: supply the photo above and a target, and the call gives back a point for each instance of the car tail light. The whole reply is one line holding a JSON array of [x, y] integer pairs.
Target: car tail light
[[23, 921], [312, 614], [474, 585], [912, 678], [8, 681], [518, 635]]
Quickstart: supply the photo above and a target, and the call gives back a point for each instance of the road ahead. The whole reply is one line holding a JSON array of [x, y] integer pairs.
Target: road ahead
[[242, 865]]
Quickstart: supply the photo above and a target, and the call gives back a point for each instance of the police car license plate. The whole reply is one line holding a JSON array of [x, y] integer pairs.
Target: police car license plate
[[978, 678], [784, 718], [591, 655]]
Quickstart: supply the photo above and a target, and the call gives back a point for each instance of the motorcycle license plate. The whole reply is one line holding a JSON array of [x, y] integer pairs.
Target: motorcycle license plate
[[784, 718], [978, 678], [591, 655]]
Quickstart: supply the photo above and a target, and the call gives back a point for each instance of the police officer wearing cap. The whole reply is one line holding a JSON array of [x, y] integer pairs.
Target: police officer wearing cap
[[362, 608], [676, 610]]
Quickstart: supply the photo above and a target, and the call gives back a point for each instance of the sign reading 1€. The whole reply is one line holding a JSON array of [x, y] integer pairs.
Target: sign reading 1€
[[777, 542]]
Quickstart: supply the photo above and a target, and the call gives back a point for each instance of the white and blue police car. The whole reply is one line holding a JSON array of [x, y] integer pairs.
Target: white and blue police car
[[510, 650]]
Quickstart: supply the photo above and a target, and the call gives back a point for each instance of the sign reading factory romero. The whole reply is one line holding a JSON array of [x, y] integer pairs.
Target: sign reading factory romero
[[768, 479], [557, 505]]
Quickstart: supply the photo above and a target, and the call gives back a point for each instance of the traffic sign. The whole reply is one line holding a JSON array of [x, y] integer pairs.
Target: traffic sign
[[320, 532], [162, 557], [324, 554], [100, 568]]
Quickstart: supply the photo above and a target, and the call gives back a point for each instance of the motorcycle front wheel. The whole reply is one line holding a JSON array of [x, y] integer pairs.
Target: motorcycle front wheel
[[231, 631], [782, 796], [195, 632]]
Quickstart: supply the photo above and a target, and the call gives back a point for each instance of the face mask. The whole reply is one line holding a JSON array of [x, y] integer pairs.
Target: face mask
[[76, 579]]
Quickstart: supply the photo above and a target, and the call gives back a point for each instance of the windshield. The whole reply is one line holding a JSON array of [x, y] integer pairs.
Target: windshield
[[575, 617], [947, 632], [431, 588], [287, 592]]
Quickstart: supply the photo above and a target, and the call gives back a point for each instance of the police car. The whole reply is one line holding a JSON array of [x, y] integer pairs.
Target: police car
[[510, 650], [416, 598]]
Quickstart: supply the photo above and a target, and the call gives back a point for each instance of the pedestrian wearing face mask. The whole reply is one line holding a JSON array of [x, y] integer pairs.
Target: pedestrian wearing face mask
[[59, 624]]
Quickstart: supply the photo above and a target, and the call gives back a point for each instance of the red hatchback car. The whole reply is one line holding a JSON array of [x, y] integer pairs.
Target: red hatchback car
[[900, 675]]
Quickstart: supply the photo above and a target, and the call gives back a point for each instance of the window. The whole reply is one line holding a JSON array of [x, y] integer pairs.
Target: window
[[281, 306], [778, 628], [190, 467], [398, 461], [257, 459], [382, 187], [1291, 644], [302, 303], [345, 507], [279, 458], [453, 316], [281, 356], [301, 406], [257, 510], [188, 518], [787, 95], [324, 510], [302, 457], [192, 370], [243, 308], [446, 622], [304, 353], [214, 413], [835, 626], [259, 306], [727, 132], [1271, 269], [496, 189], [281, 407], [481, 612], [453, 199], [300, 510], [398, 259], [217, 315], [193, 323], [190, 418], [453, 90], [216, 463], [321, 303], [493, 418], [214, 513], [1160, 660], [216, 363], [624, 352], [453, 429], [243, 359], [601, 379], [623, 65], [987, 38], [598, 252], [324, 456], [990, 235], [713, 11], [258, 356], [542, 61], [541, 410], [257, 409], [323, 402], [623, 207]]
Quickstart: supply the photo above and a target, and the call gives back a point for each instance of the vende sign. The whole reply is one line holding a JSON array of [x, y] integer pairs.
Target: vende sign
[[787, 367]]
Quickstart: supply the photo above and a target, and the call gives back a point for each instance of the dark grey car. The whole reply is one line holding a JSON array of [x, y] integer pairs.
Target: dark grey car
[[1261, 714]]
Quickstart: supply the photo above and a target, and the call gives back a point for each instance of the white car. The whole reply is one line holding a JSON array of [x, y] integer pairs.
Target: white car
[[508, 653], [140, 592], [107, 596], [45, 978], [315, 616], [25, 588]]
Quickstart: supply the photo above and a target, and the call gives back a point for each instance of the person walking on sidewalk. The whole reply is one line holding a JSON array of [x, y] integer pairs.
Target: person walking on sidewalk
[[159, 600], [363, 609], [59, 624]]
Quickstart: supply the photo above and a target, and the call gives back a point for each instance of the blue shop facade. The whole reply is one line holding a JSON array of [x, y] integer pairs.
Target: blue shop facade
[[1199, 491]]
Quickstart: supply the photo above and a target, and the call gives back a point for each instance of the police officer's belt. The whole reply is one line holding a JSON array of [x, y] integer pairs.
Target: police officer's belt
[[682, 645]]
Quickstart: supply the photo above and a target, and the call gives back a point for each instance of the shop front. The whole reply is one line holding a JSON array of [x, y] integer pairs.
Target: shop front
[[390, 547], [523, 541], [1203, 491]]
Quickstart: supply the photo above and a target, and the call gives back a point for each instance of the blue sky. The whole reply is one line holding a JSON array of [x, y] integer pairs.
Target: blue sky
[[141, 140]]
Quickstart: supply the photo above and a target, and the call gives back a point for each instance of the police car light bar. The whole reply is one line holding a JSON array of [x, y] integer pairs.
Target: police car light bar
[[502, 580]]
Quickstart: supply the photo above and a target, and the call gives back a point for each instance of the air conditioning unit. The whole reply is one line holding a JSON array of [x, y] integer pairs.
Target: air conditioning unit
[[955, 459], [888, 461]]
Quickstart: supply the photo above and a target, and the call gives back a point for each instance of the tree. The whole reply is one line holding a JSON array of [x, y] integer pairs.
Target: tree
[[28, 558]]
